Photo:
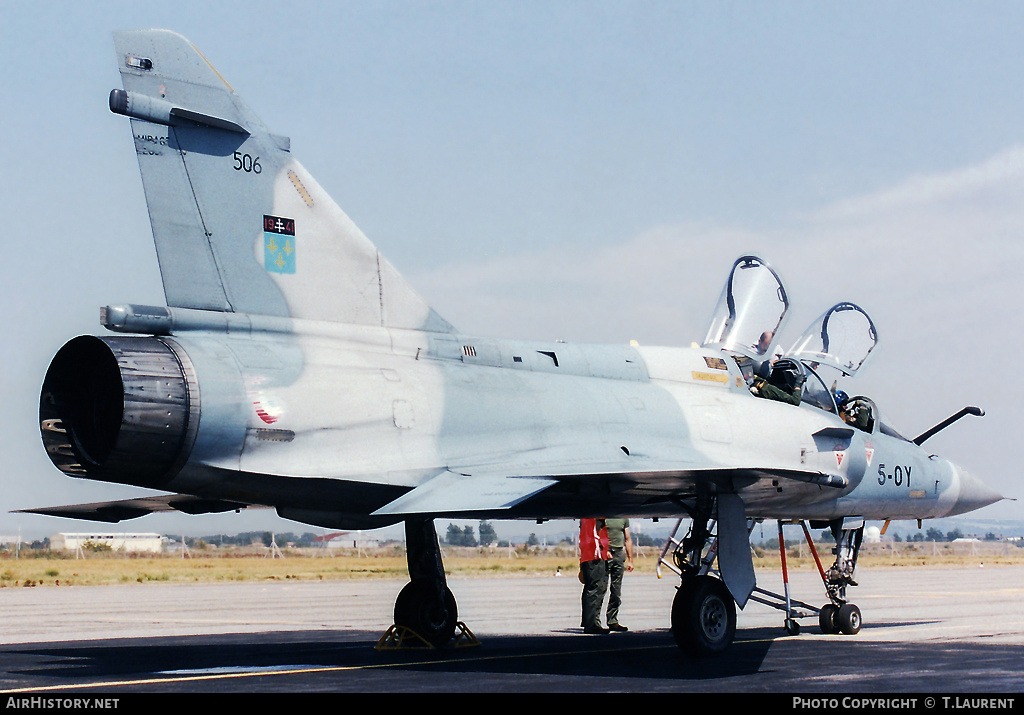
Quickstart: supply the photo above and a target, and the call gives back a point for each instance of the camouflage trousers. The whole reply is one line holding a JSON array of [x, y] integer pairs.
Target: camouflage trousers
[[594, 575], [616, 569]]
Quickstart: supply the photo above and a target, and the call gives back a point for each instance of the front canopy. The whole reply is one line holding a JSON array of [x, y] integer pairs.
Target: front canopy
[[750, 311]]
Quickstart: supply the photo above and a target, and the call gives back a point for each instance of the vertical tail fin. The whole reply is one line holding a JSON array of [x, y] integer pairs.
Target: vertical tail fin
[[239, 224]]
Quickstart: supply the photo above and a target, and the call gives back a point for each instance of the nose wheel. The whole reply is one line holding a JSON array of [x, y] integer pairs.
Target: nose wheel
[[828, 618], [848, 619], [845, 619]]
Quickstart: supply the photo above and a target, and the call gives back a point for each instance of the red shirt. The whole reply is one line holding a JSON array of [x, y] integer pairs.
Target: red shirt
[[593, 540]]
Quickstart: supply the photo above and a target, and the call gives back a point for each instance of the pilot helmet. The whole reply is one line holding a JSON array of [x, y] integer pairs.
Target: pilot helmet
[[787, 375], [841, 398]]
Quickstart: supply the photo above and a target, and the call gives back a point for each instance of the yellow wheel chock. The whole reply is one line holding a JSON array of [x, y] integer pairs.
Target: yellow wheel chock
[[400, 637]]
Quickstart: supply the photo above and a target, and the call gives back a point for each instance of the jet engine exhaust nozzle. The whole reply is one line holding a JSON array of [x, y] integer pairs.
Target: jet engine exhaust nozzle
[[119, 409]]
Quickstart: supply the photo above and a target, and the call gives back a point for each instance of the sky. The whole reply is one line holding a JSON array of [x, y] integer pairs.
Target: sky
[[576, 170]]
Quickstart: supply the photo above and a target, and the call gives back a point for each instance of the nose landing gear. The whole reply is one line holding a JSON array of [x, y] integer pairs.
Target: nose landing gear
[[838, 615]]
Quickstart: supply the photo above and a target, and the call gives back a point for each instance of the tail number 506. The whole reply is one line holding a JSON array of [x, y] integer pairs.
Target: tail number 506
[[247, 163]]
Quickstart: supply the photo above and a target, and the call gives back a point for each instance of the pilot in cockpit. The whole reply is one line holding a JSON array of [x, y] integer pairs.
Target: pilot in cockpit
[[784, 382], [764, 343], [855, 413]]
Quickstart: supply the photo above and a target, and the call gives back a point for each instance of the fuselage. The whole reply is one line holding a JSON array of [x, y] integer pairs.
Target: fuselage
[[321, 419]]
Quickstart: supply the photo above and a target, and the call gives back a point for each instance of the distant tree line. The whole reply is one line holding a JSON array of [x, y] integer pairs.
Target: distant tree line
[[456, 536], [464, 536], [248, 538], [933, 534]]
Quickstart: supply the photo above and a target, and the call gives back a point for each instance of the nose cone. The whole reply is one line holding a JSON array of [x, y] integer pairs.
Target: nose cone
[[973, 493]]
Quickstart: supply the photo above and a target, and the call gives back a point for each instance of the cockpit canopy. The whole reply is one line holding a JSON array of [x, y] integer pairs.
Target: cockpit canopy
[[746, 323], [750, 312]]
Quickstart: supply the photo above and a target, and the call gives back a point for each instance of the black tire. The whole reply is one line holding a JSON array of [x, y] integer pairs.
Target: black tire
[[848, 619], [827, 618], [792, 627], [703, 617], [417, 609]]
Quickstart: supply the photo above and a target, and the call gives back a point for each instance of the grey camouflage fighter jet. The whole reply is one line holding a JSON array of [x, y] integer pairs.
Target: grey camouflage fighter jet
[[293, 368]]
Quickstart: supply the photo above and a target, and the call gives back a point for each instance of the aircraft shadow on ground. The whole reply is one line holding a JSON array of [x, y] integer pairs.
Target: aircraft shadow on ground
[[761, 658], [646, 654], [640, 654]]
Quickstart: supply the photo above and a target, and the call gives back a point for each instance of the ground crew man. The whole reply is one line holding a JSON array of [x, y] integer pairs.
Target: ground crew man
[[594, 555], [620, 545]]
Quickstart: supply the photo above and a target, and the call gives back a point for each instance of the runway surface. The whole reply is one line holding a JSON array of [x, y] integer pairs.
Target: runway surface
[[926, 632]]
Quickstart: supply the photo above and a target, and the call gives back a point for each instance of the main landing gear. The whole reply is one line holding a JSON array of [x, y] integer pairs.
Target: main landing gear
[[426, 614], [704, 610]]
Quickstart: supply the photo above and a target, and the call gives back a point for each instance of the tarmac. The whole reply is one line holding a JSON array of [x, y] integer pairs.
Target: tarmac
[[936, 633]]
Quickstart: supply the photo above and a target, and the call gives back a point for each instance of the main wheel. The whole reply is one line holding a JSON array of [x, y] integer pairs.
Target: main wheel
[[848, 619], [703, 616], [417, 608], [827, 618]]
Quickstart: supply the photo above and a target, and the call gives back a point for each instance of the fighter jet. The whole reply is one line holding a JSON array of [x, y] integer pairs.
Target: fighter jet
[[293, 368]]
